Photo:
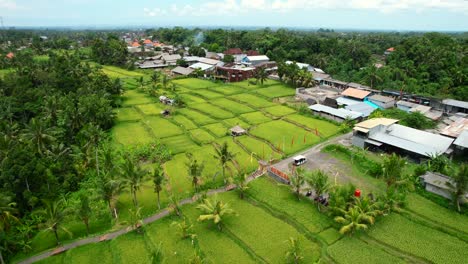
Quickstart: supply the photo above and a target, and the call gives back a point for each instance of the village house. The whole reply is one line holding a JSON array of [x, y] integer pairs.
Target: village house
[[438, 184], [234, 72], [237, 131], [386, 135], [255, 60], [382, 101], [336, 84], [181, 71], [389, 51], [455, 106], [362, 108], [237, 53], [338, 115], [352, 96]]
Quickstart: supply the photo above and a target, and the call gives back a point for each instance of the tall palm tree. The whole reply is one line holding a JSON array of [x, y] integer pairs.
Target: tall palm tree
[[294, 252], [372, 75], [459, 186], [93, 135], [214, 210], [133, 177], [7, 212], [109, 188], [352, 221], [184, 228], [242, 184], [319, 181], [84, 211], [224, 156], [38, 135], [194, 170], [392, 170], [261, 75], [297, 180], [155, 76], [54, 214], [135, 219], [158, 181], [368, 209]]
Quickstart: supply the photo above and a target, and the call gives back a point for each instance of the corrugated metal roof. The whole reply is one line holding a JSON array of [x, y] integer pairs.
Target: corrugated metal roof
[[209, 61], [363, 108], [438, 180], [202, 66], [258, 58], [341, 112], [413, 140], [381, 98], [300, 65], [347, 101], [456, 128], [420, 108], [462, 139], [452, 102], [355, 93], [182, 70], [371, 123]]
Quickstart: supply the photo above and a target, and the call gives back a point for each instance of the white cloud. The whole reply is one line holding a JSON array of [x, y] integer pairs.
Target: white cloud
[[234, 7], [8, 4]]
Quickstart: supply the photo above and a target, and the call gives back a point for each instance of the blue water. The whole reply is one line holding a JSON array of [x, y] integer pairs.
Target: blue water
[[371, 104]]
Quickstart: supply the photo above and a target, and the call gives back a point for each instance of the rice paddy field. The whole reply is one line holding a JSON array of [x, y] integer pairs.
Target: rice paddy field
[[270, 215]]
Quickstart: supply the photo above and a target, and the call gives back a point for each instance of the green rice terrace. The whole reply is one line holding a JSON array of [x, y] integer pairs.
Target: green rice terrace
[[270, 215]]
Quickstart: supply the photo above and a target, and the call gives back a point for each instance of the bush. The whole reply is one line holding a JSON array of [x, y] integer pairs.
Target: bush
[[414, 119]]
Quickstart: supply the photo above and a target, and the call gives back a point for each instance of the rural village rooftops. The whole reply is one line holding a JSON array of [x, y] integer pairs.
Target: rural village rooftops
[[462, 139], [437, 179], [381, 98], [233, 51], [201, 66], [371, 123], [258, 58], [182, 70], [457, 103], [361, 107], [355, 93], [340, 112], [456, 128]]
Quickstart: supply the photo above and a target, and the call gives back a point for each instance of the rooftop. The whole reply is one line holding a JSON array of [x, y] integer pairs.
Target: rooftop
[[437, 179], [355, 93], [201, 66], [258, 58], [457, 103], [340, 112], [361, 107], [233, 51], [455, 128], [182, 70], [462, 139], [381, 98], [371, 123], [238, 130]]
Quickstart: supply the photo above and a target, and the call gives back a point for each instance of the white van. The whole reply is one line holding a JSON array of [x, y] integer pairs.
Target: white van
[[299, 160]]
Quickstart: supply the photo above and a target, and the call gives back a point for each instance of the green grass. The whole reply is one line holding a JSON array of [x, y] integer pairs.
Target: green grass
[[231, 122], [179, 144], [194, 83], [212, 110], [256, 118], [324, 128], [276, 91], [58, 259], [4, 72], [41, 58], [131, 134], [353, 250], [133, 97], [88, 254], [436, 213], [265, 234], [200, 135], [419, 240], [131, 248], [280, 198], [246, 85], [205, 93], [151, 109], [279, 110], [162, 127], [286, 136], [260, 148], [184, 121], [232, 106], [252, 100], [116, 72], [127, 114], [192, 99], [197, 117], [227, 89], [217, 129], [330, 235]]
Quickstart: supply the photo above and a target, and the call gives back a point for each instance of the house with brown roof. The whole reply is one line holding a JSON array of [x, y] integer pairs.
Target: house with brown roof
[[389, 51], [10, 55], [382, 101], [355, 93], [237, 53]]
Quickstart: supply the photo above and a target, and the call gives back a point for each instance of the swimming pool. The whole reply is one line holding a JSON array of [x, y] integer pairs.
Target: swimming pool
[[371, 104]]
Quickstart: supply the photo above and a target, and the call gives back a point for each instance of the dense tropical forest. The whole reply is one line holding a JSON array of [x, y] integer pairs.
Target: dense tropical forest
[[57, 106]]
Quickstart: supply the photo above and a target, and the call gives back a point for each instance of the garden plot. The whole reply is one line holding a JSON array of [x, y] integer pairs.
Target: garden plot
[[353, 250], [286, 136], [184, 121], [265, 234], [276, 91], [116, 72], [205, 93], [324, 128], [162, 127], [131, 248], [151, 109], [252, 100], [232, 106], [133, 97], [260, 148], [212, 110], [129, 133], [191, 99], [231, 122], [421, 241], [218, 129], [201, 136], [279, 110], [197, 117], [227, 89], [179, 144], [127, 114], [249, 86], [88, 254], [194, 83], [256, 118]]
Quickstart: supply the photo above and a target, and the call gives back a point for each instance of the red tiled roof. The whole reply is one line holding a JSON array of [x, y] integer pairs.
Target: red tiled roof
[[391, 49], [252, 53], [233, 51], [136, 44], [147, 41], [10, 55]]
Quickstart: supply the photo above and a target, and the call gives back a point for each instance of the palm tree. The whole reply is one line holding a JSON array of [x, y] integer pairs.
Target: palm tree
[[214, 210], [184, 228], [7, 211], [135, 219], [133, 177], [155, 76], [54, 214], [261, 75], [294, 252], [165, 81], [174, 204], [194, 170], [368, 209], [224, 156], [459, 185], [353, 220], [297, 180], [38, 135], [242, 184], [319, 181], [84, 211], [109, 189], [158, 181], [372, 75], [141, 81], [393, 200], [93, 136], [392, 170]]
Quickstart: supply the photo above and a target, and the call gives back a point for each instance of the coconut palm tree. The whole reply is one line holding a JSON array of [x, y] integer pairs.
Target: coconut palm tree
[[214, 210], [294, 252], [38, 135], [261, 75], [7, 212], [54, 214], [83, 211], [368, 208], [184, 228], [297, 180], [174, 204], [459, 186], [135, 219], [158, 181], [352, 221], [392, 170], [93, 135], [194, 170], [224, 156], [393, 200], [242, 184], [109, 189], [133, 177], [319, 181]]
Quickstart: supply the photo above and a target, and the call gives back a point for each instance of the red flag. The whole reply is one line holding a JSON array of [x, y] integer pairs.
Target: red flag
[[292, 141], [305, 137]]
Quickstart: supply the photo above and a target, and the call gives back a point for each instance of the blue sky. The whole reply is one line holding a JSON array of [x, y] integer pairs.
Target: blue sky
[[434, 15]]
